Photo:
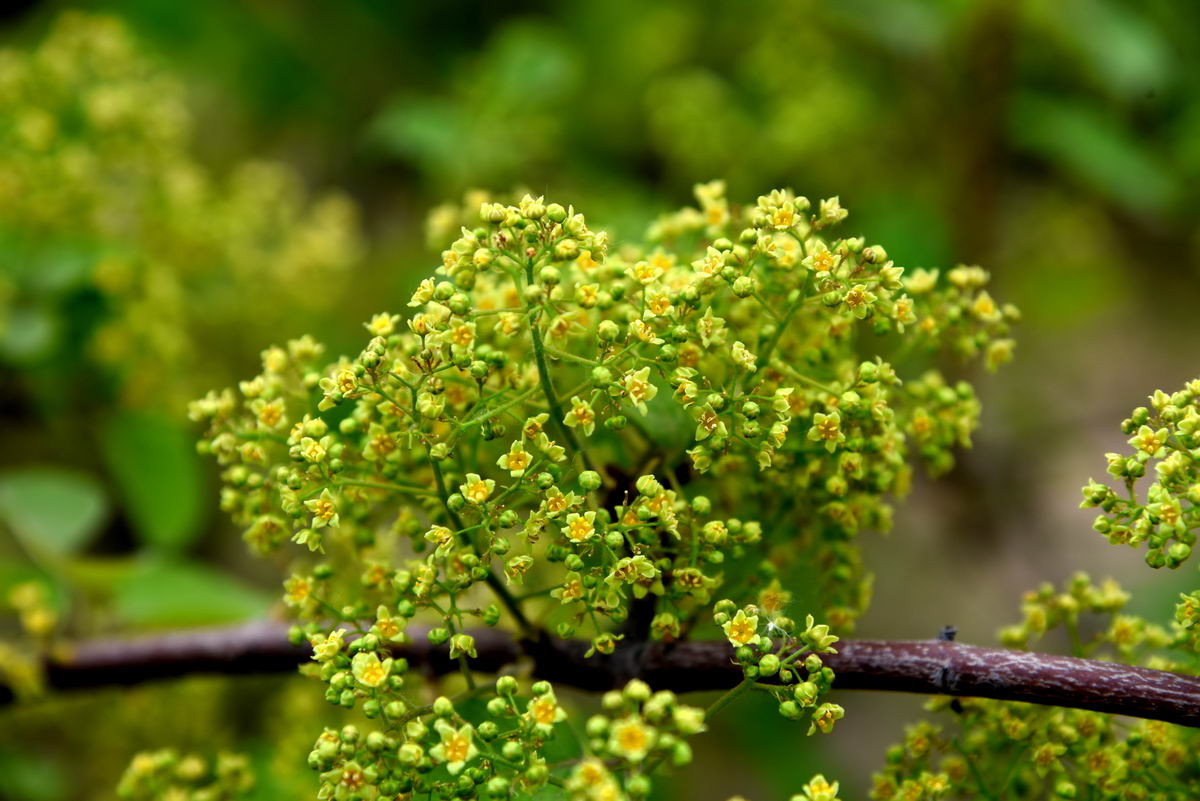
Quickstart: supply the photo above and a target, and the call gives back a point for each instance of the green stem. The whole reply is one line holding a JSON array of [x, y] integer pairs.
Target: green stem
[[728, 698], [493, 581], [404, 488]]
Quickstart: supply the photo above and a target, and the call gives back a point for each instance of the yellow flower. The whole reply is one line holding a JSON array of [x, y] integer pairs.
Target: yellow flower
[[312, 450], [658, 303], [639, 389], [389, 628], [827, 428], [462, 335], [556, 502], [985, 308], [581, 415], [423, 293], [571, 589], [589, 776], [581, 527], [476, 489], [323, 509], [820, 790], [821, 259], [711, 264], [645, 333], [457, 747], [631, 739], [543, 712], [270, 414], [585, 261], [516, 461], [773, 598], [645, 272], [369, 670], [533, 425], [587, 295], [824, 718], [326, 647], [442, 538], [382, 324], [742, 629], [297, 590], [743, 358]]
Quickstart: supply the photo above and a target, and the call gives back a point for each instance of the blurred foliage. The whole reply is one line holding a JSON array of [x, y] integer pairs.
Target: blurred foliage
[[144, 259]]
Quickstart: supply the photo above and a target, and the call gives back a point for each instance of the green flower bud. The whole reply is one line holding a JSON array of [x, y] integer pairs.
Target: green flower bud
[[638, 786], [790, 710], [589, 480], [443, 707], [616, 423]]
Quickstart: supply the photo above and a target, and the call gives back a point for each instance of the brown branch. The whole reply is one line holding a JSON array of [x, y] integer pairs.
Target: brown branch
[[934, 667]]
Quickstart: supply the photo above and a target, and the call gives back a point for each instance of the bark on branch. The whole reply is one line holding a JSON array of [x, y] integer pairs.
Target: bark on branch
[[933, 667]]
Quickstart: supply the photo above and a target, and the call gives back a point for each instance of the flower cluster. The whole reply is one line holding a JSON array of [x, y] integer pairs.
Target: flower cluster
[[817, 789], [505, 745], [97, 167], [770, 646], [169, 775], [603, 433], [1164, 436], [996, 749], [637, 730]]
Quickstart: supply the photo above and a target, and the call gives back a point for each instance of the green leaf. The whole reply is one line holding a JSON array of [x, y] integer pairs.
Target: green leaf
[[562, 745], [51, 509], [159, 477], [1096, 149], [32, 776], [167, 593]]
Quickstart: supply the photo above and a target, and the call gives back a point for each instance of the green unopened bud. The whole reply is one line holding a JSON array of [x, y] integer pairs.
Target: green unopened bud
[[790, 710], [743, 286]]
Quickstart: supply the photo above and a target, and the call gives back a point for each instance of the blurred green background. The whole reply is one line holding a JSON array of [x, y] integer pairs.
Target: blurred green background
[[1055, 143]]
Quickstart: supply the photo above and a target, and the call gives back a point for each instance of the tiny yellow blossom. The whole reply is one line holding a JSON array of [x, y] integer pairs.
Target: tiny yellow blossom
[[580, 527], [323, 509], [639, 388], [742, 629], [326, 647], [543, 712], [297, 590], [516, 461], [631, 739], [581, 415], [368, 670], [818, 789], [456, 748], [476, 489], [382, 324]]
